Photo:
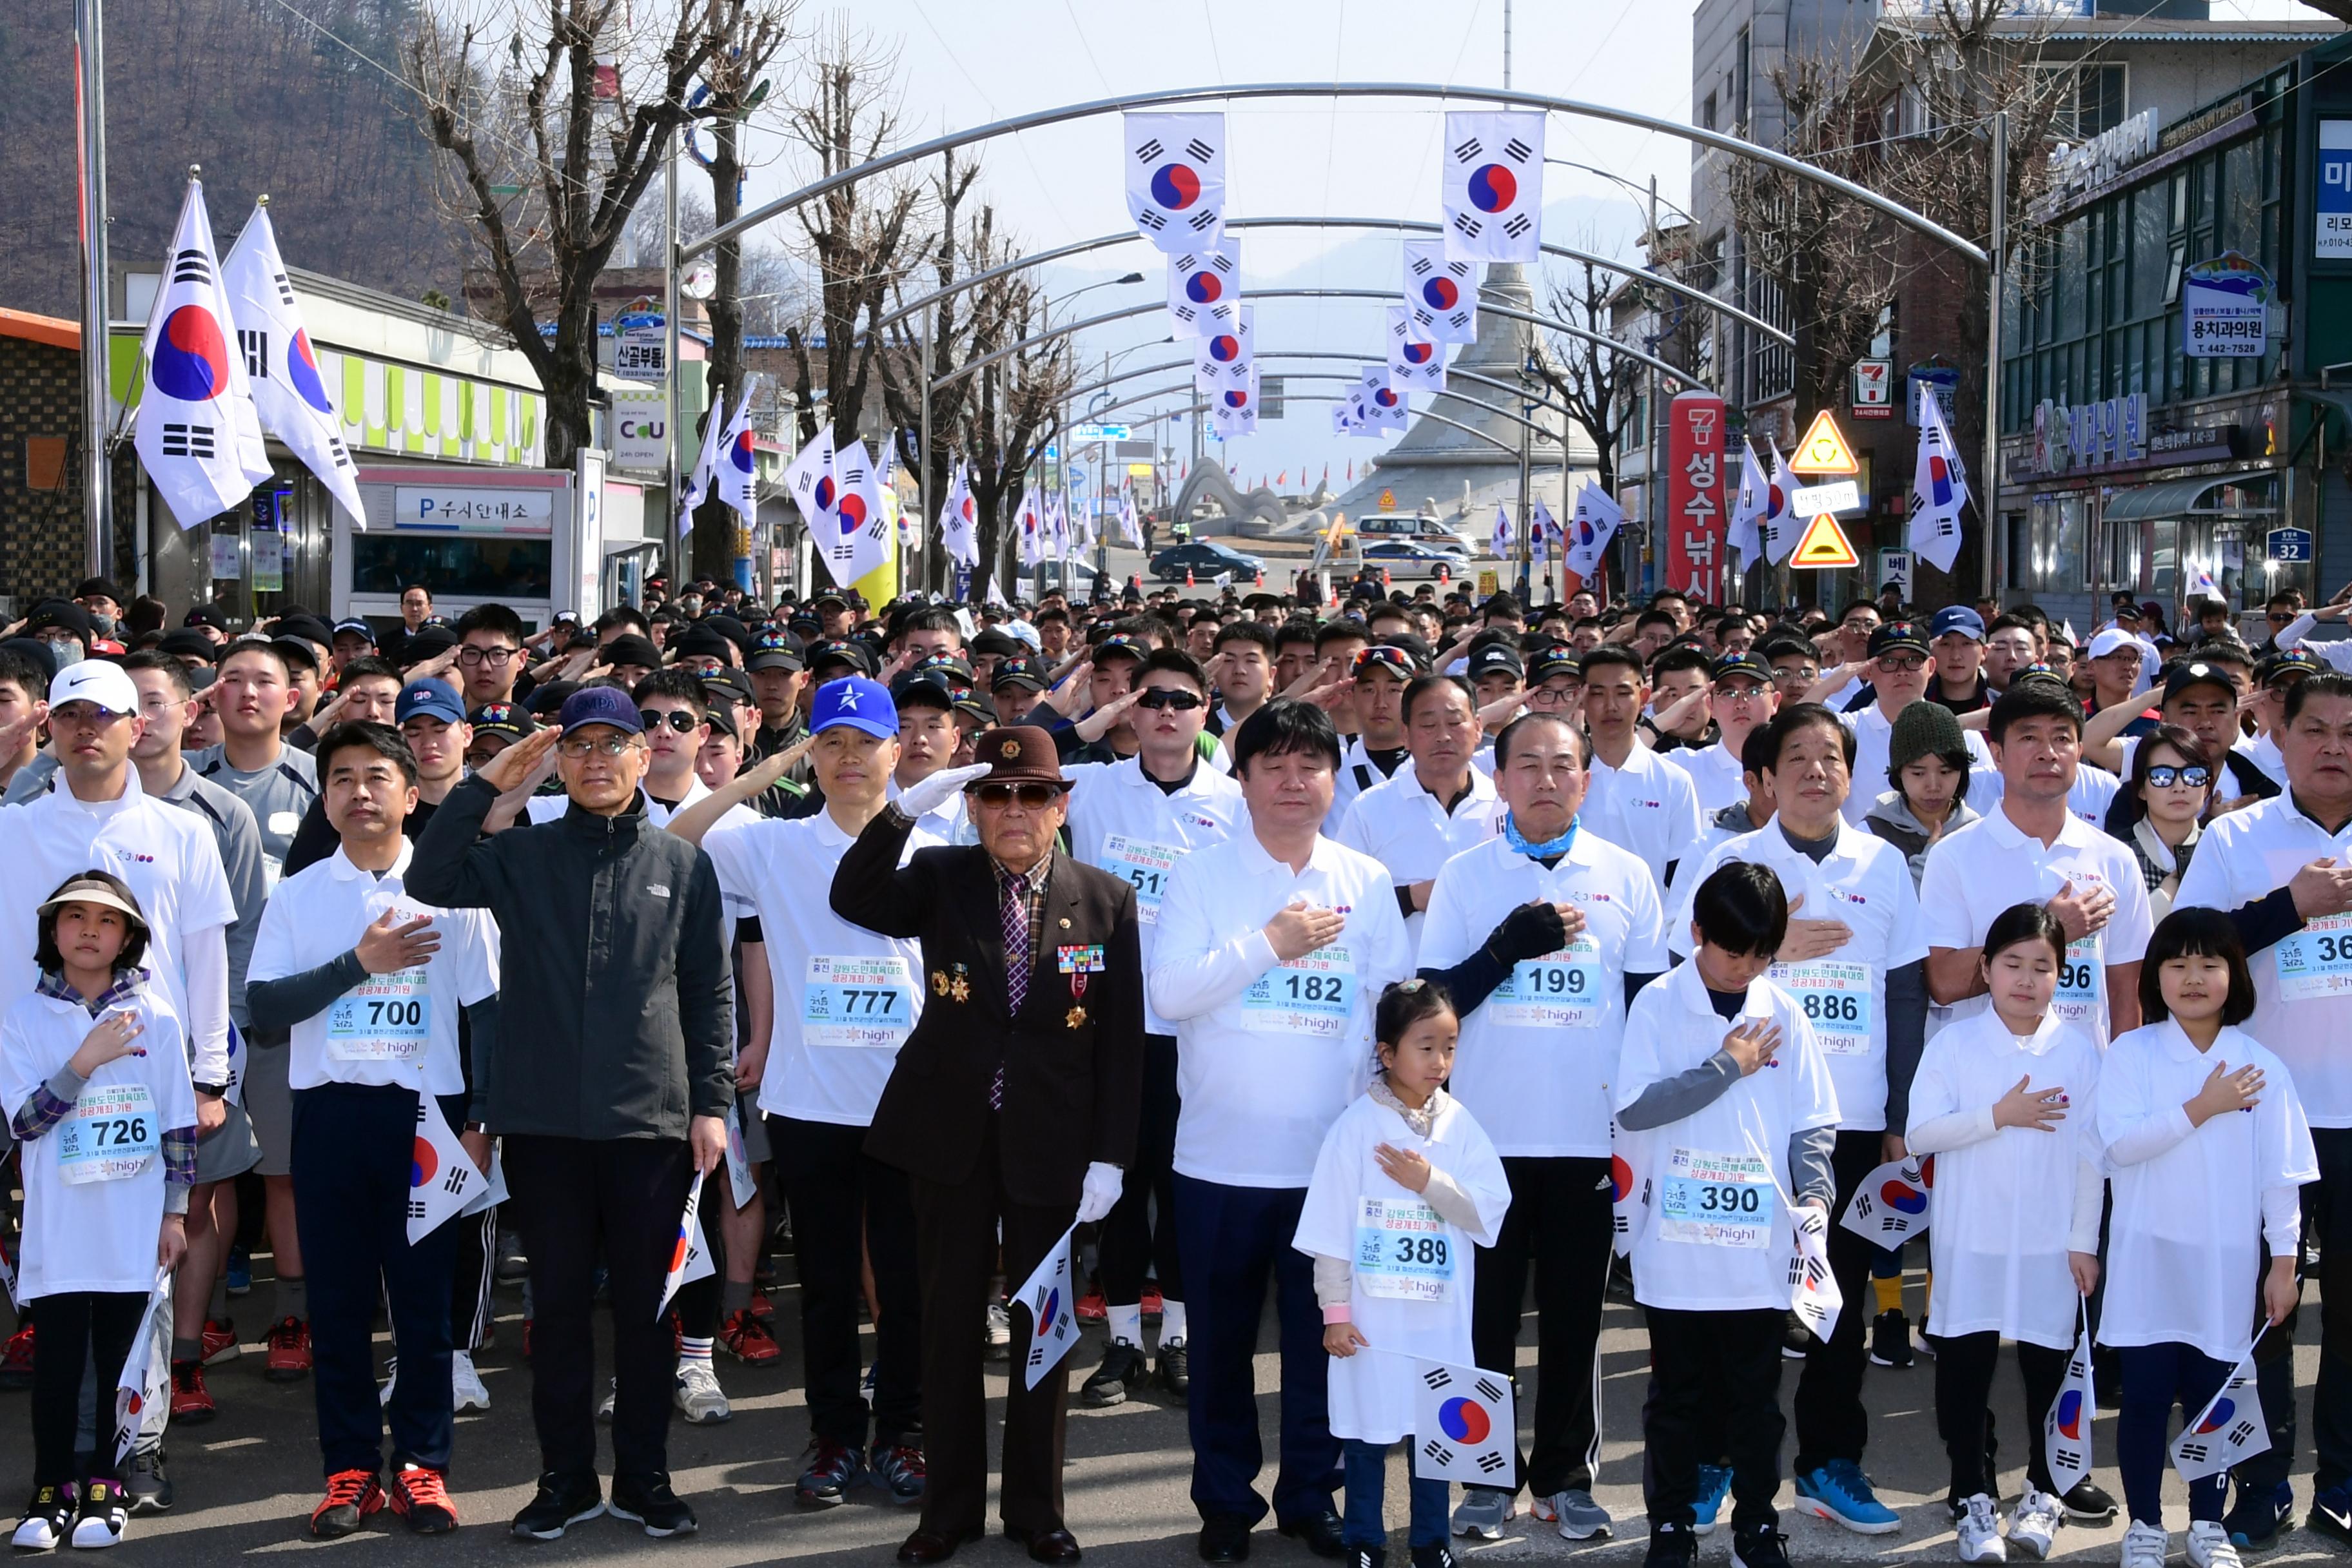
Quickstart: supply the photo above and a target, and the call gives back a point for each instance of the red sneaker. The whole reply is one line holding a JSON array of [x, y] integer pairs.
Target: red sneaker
[[526, 1339], [422, 1497], [16, 1360], [1091, 1307], [351, 1496], [1152, 1304], [192, 1402], [221, 1343], [289, 1351], [761, 1306], [747, 1340]]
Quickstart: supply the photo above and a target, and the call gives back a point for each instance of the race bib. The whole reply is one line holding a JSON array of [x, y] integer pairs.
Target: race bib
[[2316, 961], [1402, 1251], [1143, 865], [384, 1019], [1836, 998], [2078, 999], [858, 1002], [1559, 991], [1311, 995], [111, 1134], [1716, 1200]]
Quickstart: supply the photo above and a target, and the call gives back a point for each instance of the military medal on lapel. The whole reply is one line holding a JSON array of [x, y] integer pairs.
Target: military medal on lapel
[[1078, 962], [939, 983], [960, 987], [1075, 1017]]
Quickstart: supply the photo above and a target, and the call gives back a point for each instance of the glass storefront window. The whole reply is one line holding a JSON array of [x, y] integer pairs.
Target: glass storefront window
[[453, 568], [2046, 553]]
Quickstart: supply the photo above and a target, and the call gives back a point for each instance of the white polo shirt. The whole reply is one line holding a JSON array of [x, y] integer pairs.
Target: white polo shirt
[[1648, 806], [1358, 773], [1268, 1054], [2302, 985], [847, 998], [1864, 882], [1403, 826], [1716, 776], [1975, 872], [2088, 797], [1537, 1059], [1872, 731], [393, 1029], [1124, 823]]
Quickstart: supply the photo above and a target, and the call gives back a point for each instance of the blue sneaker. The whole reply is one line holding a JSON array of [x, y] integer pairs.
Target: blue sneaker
[[1714, 1485], [1839, 1492], [240, 1272], [2331, 1513], [2260, 1515]]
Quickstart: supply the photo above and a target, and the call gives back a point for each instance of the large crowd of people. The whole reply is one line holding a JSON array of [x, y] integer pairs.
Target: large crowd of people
[[1406, 955]]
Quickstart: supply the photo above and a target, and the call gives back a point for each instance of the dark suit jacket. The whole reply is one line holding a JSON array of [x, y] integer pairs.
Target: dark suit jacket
[[1073, 1062]]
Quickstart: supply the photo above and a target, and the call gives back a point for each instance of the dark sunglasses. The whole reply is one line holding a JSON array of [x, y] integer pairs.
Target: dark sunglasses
[[1382, 658], [2164, 776], [1162, 697], [685, 723], [1032, 796]]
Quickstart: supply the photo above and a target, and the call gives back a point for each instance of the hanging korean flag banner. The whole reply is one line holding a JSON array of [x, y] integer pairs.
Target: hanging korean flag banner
[[1384, 405], [960, 519], [2066, 1427], [1227, 357], [1466, 1422], [1939, 487], [289, 392], [1050, 1295], [696, 488], [1131, 527], [1594, 524], [1415, 363], [738, 467], [1893, 1203], [1176, 179], [1440, 294], [2228, 1431], [442, 1177], [809, 481], [143, 1390], [1205, 288], [1776, 526], [1030, 520], [186, 426], [1343, 419], [860, 539], [1748, 506], [1492, 187]]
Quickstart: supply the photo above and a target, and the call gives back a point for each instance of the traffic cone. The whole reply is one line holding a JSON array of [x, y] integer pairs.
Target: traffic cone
[[1384, 580], [1188, 577], [1261, 577], [1444, 573]]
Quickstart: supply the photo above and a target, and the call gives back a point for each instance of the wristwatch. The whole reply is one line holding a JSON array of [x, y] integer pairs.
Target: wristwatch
[[214, 1089]]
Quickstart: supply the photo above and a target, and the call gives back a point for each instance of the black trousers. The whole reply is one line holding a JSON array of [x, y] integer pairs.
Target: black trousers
[[1831, 1423], [1964, 1373], [78, 1327], [1558, 1223], [350, 1162], [1130, 1243], [845, 1207], [956, 1238], [2327, 1216], [470, 1312], [580, 1202], [1709, 1373]]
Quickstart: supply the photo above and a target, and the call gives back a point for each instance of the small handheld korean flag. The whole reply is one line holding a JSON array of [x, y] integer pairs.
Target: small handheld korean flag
[[737, 464], [1892, 1202], [698, 484], [1029, 520], [1502, 533], [1543, 533], [1440, 294], [1176, 179], [1813, 1293], [1939, 487], [1492, 190], [1053, 1326], [742, 1187], [1415, 362], [442, 1177], [2066, 1427], [1629, 1192], [689, 1256], [958, 520], [289, 390], [2228, 1431], [1205, 288], [1466, 1422], [186, 426], [1131, 527], [142, 1391]]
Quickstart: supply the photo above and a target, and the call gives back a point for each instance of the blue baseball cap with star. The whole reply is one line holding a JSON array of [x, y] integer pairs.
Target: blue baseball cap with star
[[854, 701], [432, 699]]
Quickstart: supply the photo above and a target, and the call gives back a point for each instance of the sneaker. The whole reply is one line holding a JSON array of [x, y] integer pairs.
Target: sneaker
[[1155, 1305], [150, 1489], [1438, 1556], [421, 1495], [1839, 1492], [762, 1307], [1714, 1485], [105, 1514], [16, 1360], [192, 1402], [1579, 1517], [1796, 1340], [2209, 1545], [1364, 1557], [289, 1351], [466, 1390], [699, 1396], [1672, 1546], [351, 1496], [562, 1502], [2260, 1516], [826, 1480], [1763, 1547], [604, 1405], [997, 1335], [513, 1267], [2087, 1503], [2034, 1522], [1174, 1372], [2331, 1513], [898, 1470], [1980, 1532], [391, 1378], [1925, 1343], [1482, 1512], [647, 1500], [239, 1273], [47, 1520], [1092, 1308], [1123, 1369], [747, 1340], [1890, 1339], [2145, 1546], [220, 1340]]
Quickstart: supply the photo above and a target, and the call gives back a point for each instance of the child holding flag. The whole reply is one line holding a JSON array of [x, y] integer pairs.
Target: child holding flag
[[2004, 1099], [1406, 1183], [94, 1077], [2207, 1147]]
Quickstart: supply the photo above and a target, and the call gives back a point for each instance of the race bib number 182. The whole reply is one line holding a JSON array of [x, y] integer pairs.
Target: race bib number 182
[[1312, 996]]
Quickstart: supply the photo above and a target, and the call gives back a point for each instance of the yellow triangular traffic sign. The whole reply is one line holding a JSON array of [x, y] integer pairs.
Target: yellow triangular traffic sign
[[1823, 450], [1824, 545]]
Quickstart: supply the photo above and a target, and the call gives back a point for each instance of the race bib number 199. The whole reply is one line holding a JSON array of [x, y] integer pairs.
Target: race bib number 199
[[1559, 991], [1310, 996]]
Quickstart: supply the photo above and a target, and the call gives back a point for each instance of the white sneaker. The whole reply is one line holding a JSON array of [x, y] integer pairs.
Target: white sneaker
[[2145, 1546], [604, 1405], [466, 1390], [2210, 1546], [699, 1398], [998, 1334], [1980, 1532], [390, 1376], [2035, 1521]]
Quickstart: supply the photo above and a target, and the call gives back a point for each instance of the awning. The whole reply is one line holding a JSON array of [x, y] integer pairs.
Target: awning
[[2177, 498]]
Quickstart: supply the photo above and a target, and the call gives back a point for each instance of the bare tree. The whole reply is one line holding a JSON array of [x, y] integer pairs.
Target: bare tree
[[1013, 409], [1589, 379], [927, 347]]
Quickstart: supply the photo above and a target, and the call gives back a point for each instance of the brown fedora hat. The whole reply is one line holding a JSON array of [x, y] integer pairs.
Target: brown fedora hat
[[1018, 753]]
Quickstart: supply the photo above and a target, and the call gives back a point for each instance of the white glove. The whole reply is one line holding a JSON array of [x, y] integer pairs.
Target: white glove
[[1103, 1183], [928, 795]]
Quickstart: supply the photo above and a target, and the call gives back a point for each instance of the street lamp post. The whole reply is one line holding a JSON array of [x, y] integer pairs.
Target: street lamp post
[[1064, 444]]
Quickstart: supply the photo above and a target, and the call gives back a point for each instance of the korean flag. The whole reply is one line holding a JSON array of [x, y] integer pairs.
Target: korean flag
[[1204, 288], [1813, 1293], [810, 482], [1467, 1423], [1227, 356], [1050, 1296], [859, 538], [2066, 1428], [1440, 294], [1492, 188], [186, 428], [1891, 1203], [689, 1256], [142, 1394], [1175, 167], [1415, 362], [2225, 1433], [442, 1177], [1629, 1190], [1384, 404], [288, 385], [1343, 419]]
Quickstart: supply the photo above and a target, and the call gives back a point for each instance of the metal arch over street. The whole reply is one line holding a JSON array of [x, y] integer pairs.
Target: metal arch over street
[[1077, 392], [1186, 387], [1404, 226], [1504, 97]]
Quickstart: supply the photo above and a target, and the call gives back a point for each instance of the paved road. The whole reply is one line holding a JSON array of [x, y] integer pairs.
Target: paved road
[[246, 1481]]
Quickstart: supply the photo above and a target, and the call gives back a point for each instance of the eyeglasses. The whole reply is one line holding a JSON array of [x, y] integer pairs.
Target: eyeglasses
[[1161, 697], [1032, 796], [613, 746], [1553, 695], [1795, 675], [2164, 776], [680, 720], [1739, 693], [1897, 663], [486, 655]]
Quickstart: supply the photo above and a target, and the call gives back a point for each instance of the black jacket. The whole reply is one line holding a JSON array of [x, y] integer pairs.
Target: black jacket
[[618, 1008]]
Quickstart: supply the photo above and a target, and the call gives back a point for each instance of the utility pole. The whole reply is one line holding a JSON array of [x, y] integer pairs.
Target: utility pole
[[671, 492], [1650, 476], [1988, 486], [925, 509], [97, 486]]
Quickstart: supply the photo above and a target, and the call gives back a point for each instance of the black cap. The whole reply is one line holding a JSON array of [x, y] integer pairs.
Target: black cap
[[699, 642], [2288, 662], [426, 642], [1002, 643], [205, 615], [1746, 664], [841, 650], [188, 643], [631, 649], [925, 688], [777, 650], [64, 615], [1898, 635], [310, 627], [2197, 672], [511, 719], [92, 587], [1555, 659], [727, 684], [1019, 670], [1494, 656]]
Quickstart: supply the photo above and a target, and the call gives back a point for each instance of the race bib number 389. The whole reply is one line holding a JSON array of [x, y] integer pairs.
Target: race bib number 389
[[1403, 1251], [1310, 996]]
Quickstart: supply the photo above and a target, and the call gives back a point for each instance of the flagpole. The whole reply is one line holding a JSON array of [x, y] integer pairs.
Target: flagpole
[[670, 361], [1988, 485], [98, 535], [924, 507]]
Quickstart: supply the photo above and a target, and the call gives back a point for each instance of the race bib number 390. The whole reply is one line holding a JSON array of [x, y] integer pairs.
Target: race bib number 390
[[1716, 1200], [1559, 991], [1403, 1251], [2315, 963], [110, 1134], [858, 1002], [1836, 999], [384, 1019], [1310, 996]]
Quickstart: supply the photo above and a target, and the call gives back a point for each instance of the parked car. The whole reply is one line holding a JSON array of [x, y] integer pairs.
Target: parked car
[[1414, 558], [1204, 560], [1404, 525]]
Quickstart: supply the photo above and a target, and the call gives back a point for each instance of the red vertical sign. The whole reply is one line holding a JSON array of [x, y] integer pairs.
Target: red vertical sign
[[1696, 474]]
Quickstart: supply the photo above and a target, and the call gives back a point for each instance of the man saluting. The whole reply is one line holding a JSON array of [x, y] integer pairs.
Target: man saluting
[[1015, 1099]]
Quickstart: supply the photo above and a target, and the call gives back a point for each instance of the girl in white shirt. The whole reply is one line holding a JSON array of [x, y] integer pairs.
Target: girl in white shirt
[[1405, 1184], [2207, 1147], [2004, 1099], [94, 1079]]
